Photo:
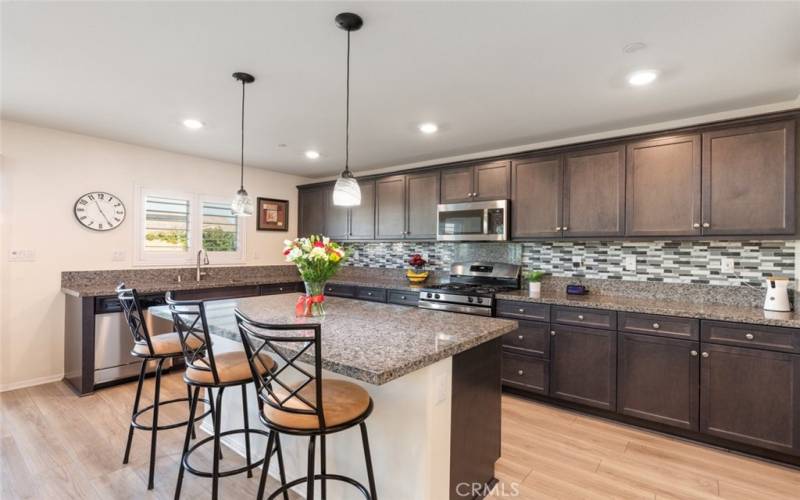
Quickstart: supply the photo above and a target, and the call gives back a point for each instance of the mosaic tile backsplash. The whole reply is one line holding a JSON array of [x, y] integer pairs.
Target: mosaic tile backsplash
[[658, 261]]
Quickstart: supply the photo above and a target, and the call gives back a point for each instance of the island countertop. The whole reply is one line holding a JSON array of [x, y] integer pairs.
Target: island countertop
[[368, 341]]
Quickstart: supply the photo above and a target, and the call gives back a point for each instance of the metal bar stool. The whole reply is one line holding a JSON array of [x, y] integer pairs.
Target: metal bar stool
[[205, 369], [156, 348], [313, 407]]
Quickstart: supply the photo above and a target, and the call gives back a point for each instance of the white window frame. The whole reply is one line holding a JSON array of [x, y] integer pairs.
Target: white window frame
[[145, 258]]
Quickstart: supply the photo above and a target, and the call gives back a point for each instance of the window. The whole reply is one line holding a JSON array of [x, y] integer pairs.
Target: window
[[169, 223]]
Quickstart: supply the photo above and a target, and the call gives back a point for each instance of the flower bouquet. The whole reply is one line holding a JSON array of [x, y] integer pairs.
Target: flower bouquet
[[317, 259], [418, 274]]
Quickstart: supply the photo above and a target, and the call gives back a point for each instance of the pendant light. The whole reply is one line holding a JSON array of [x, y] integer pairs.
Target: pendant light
[[346, 192], [242, 205]]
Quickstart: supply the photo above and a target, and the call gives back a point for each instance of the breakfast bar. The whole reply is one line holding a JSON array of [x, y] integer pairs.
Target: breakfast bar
[[434, 378]]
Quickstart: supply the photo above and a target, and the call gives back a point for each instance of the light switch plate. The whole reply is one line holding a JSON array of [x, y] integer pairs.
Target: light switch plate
[[728, 265], [630, 263]]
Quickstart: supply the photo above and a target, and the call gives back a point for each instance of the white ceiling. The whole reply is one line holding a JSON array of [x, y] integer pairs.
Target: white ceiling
[[491, 74]]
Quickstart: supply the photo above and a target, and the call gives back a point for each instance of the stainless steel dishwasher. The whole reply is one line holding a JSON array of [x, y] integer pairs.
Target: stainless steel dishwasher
[[113, 340]]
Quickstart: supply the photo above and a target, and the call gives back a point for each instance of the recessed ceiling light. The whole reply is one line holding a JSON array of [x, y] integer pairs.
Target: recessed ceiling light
[[428, 128], [312, 155], [192, 123], [642, 77]]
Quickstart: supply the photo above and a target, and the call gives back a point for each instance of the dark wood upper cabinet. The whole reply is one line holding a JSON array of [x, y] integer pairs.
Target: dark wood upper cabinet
[[362, 217], [749, 180], [458, 184], [492, 181], [422, 196], [659, 379], [311, 213], [663, 189], [536, 197], [583, 366], [390, 204], [594, 192], [336, 218], [751, 396]]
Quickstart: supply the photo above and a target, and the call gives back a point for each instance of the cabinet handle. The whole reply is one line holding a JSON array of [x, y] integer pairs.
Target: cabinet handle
[[656, 326], [580, 317], [558, 228], [565, 228], [749, 336], [693, 353], [706, 224], [520, 372], [696, 225], [521, 337], [705, 354], [552, 333]]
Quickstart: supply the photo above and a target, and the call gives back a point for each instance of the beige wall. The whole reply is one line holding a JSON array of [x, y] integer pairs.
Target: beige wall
[[43, 172]]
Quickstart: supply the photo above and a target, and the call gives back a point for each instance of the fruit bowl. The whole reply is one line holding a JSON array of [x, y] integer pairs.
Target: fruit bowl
[[416, 277]]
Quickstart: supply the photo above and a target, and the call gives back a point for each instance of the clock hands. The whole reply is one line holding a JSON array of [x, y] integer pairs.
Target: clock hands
[[102, 213]]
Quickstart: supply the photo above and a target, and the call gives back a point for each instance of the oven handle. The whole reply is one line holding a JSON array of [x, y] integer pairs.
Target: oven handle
[[486, 221]]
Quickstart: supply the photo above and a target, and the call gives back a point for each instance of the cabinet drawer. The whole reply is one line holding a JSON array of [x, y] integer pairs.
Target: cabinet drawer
[[523, 310], [595, 318], [277, 288], [662, 326], [373, 294], [531, 338], [740, 334], [526, 372], [403, 298], [340, 290], [231, 292]]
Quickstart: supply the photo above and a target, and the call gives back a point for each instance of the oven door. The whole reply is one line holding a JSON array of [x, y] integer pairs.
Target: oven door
[[477, 221]]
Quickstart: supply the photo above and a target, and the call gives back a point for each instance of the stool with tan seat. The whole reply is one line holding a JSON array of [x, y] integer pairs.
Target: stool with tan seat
[[310, 407], [209, 370], [158, 348]]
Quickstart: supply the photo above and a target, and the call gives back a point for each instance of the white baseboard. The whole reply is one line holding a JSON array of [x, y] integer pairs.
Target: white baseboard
[[31, 382]]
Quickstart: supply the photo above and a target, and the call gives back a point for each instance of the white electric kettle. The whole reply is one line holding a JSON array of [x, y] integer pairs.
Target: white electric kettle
[[777, 294]]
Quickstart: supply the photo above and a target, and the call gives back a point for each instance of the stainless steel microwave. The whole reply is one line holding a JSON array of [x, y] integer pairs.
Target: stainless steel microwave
[[473, 221]]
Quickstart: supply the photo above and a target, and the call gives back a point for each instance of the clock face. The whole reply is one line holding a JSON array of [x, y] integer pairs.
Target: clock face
[[99, 211]]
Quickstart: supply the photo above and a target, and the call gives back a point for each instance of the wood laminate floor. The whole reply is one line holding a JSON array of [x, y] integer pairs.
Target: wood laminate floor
[[54, 445]]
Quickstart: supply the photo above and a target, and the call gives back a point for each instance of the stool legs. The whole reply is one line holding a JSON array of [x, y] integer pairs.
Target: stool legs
[[246, 428], [322, 466], [217, 431], [280, 464], [191, 422], [192, 410], [265, 470], [154, 431], [210, 397], [310, 488], [135, 409], [368, 459]]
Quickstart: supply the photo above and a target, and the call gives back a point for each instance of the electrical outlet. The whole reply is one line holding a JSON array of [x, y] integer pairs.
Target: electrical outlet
[[630, 263], [728, 265], [118, 256], [22, 255]]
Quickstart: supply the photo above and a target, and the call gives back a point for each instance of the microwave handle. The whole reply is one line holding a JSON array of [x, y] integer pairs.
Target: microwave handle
[[485, 221]]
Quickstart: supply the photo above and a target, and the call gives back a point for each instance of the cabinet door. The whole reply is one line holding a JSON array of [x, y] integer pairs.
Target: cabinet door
[[422, 196], [663, 191], [594, 192], [751, 396], [536, 197], [492, 181], [390, 217], [311, 214], [583, 366], [336, 218], [659, 379], [457, 184], [362, 217], [748, 180]]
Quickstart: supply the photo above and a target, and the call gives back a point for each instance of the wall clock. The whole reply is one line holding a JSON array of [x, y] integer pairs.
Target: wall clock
[[99, 211]]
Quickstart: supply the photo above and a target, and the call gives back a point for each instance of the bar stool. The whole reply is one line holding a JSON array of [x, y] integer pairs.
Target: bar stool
[[157, 348], [205, 369], [313, 407]]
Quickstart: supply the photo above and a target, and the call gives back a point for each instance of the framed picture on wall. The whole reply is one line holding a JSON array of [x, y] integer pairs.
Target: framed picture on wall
[[273, 215]]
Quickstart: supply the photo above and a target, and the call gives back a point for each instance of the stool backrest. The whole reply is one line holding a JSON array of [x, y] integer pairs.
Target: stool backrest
[[189, 319], [289, 343], [132, 308]]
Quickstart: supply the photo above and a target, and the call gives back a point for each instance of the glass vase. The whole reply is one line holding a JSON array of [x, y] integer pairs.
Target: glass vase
[[315, 298]]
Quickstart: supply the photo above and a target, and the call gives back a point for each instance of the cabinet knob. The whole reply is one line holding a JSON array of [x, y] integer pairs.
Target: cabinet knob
[[565, 228], [369, 294], [580, 317], [469, 195], [706, 224], [552, 333], [520, 372], [693, 353], [558, 228], [474, 194], [696, 225], [749, 336], [705, 354], [521, 337], [402, 297], [656, 326], [280, 288], [521, 310]]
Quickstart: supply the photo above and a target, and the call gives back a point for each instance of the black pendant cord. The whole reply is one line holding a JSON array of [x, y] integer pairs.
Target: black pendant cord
[[347, 112], [241, 183]]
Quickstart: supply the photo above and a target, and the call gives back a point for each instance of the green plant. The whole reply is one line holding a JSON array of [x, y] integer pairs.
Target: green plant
[[534, 276]]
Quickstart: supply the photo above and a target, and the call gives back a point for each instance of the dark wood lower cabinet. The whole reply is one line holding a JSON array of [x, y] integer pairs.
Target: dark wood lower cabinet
[[526, 372], [659, 379], [583, 366], [751, 396]]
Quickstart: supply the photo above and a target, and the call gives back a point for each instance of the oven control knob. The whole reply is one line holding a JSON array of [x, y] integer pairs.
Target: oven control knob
[[470, 299], [480, 300], [436, 296], [430, 295]]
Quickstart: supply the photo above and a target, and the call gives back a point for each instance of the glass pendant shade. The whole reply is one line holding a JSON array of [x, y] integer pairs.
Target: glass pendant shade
[[346, 192], [242, 205]]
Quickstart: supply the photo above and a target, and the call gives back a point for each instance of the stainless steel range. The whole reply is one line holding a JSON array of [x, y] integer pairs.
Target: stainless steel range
[[471, 288]]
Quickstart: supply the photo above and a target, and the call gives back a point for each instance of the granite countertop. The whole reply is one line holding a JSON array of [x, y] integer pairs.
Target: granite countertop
[[721, 312], [368, 341]]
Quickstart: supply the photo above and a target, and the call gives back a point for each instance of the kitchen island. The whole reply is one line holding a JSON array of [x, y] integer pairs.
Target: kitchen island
[[434, 378]]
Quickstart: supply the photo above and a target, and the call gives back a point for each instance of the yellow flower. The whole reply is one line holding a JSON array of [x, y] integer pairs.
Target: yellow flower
[[334, 257]]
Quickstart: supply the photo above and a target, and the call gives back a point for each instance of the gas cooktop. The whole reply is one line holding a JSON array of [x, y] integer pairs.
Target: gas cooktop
[[471, 288]]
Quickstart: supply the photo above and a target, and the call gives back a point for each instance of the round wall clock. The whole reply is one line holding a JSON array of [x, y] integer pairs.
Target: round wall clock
[[99, 211]]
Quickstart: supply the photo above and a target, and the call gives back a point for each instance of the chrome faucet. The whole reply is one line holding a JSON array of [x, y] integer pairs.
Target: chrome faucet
[[205, 261]]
